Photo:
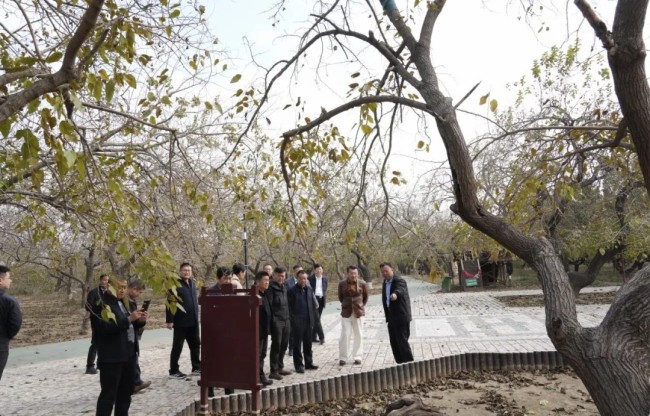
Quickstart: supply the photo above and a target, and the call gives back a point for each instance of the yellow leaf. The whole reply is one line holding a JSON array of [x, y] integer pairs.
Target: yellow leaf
[[366, 129], [235, 78], [483, 99], [493, 105]]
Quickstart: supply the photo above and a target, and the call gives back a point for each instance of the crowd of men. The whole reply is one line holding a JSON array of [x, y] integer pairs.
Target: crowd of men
[[290, 314]]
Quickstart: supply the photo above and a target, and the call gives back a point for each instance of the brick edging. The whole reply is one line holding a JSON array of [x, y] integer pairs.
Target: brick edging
[[347, 385]]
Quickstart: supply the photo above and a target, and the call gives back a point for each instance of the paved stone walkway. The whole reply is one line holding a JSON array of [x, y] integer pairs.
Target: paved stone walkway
[[443, 324]]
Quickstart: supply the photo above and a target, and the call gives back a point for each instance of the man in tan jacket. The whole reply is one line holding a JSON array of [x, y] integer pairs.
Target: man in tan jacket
[[353, 294]]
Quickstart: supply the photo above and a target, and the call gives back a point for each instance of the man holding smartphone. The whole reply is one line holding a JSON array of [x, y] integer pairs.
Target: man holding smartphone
[[136, 287]]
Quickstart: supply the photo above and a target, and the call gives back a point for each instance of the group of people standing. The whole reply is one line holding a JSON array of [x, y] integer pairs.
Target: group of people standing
[[290, 313]]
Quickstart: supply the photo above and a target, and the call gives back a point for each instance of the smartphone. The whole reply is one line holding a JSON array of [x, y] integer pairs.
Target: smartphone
[[145, 304]]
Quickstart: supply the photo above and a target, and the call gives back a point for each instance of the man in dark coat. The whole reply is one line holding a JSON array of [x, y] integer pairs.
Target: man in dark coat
[[280, 324], [397, 309], [289, 282], [10, 317], [117, 345], [262, 281], [304, 314], [318, 283], [95, 298], [135, 290], [184, 323]]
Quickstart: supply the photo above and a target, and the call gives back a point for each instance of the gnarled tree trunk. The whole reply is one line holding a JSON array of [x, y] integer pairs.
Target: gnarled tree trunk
[[612, 359]]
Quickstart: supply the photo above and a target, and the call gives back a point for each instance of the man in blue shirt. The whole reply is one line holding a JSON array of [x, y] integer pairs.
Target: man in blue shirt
[[397, 309]]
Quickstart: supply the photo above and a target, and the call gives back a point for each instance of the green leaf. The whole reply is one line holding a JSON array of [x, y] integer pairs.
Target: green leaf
[[70, 157], [5, 126], [356, 74], [130, 79], [76, 101], [81, 168], [493, 105], [366, 129], [110, 90], [174, 14], [66, 127], [420, 144], [54, 57], [235, 78], [483, 99]]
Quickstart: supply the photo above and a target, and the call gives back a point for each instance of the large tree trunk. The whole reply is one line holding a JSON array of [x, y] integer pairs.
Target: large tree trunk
[[612, 359]]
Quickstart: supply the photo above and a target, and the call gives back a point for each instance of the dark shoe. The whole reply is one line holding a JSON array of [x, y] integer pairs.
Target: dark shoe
[[284, 372], [210, 391], [357, 361], [322, 341], [178, 375], [141, 386], [311, 367], [275, 376], [341, 362], [91, 370], [300, 370], [196, 372], [265, 381], [228, 391]]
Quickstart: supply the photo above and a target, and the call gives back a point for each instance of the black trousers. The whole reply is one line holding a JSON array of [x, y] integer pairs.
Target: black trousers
[[4, 356], [318, 328], [264, 345], [116, 381], [191, 335], [301, 342], [279, 343], [399, 342], [92, 354]]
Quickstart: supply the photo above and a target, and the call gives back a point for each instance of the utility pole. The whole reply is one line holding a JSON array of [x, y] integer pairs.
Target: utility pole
[[245, 250]]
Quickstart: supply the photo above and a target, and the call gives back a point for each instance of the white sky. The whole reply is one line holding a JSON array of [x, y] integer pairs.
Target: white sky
[[474, 40]]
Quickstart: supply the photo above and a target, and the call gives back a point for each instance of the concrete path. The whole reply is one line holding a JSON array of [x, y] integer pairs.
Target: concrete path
[[50, 380]]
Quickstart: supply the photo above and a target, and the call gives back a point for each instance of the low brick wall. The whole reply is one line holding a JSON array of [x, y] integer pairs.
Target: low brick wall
[[344, 386]]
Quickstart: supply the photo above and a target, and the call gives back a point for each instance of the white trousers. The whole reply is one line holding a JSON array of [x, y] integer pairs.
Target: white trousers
[[351, 327]]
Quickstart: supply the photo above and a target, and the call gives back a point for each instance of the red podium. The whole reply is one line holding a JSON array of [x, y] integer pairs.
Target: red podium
[[230, 346]]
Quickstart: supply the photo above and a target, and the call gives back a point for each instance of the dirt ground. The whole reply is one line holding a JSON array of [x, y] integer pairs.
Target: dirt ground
[[542, 393], [598, 298], [54, 318]]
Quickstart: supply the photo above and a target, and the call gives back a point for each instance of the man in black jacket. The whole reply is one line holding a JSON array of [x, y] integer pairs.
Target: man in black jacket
[[184, 323], [397, 309], [94, 299], [304, 313], [262, 282], [318, 283], [280, 324], [10, 317], [117, 344], [135, 290]]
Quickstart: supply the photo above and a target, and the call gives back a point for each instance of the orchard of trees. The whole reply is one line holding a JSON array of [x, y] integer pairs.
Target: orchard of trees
[[131, 141]]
